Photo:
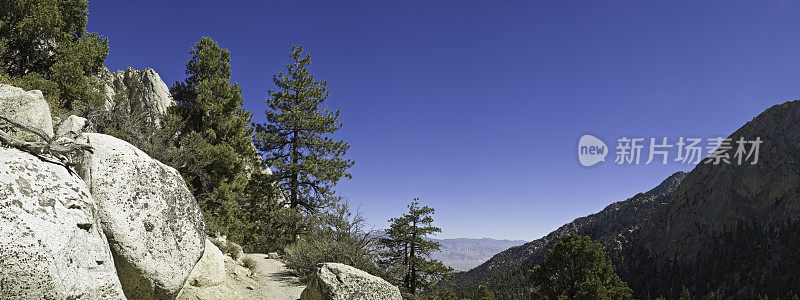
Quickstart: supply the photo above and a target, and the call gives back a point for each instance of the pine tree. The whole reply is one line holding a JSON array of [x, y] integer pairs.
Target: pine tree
[[577, 268], [297, 138], [485, 294], [44, 45], [449, 294], [407, 250], [214, 137]]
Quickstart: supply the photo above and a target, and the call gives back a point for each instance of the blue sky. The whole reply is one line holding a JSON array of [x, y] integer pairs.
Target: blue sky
[[477, 106]]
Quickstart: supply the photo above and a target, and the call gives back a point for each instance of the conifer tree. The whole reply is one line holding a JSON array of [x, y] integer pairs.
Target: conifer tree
[[44, 45], [214, 137], [297, 138], [485, 294], [577, 268], [408, 251]]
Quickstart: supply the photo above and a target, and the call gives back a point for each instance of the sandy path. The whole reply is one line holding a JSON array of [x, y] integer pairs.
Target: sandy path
[[268, 280], [275, 281]]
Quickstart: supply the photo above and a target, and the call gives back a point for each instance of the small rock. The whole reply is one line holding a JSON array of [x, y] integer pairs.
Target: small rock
[[71, 127]]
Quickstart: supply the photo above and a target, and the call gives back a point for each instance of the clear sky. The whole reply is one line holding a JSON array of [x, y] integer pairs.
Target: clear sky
[[477, 106]]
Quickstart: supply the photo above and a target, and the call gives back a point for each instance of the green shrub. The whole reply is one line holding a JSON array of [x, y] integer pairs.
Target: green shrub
[[334, 236]]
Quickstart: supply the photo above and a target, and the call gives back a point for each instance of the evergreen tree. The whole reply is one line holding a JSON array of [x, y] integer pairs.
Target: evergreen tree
[[407, 251], [297, 139], [485, 294], [577, 268], [44, 45], [685, 294], [214, 138], [449, 294]]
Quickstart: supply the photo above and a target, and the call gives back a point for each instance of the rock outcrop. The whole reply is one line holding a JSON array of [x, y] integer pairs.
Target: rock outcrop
[[143, 88], [335, 281], [51, 246], [27, 108], [153, 224]]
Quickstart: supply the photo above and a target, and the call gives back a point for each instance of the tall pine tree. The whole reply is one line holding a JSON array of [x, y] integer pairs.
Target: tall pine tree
[[214, 137], [297, 138], [408, 251]]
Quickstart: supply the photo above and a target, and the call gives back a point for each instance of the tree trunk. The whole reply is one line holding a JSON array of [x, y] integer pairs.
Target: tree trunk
[[412, 254], [294, 184]]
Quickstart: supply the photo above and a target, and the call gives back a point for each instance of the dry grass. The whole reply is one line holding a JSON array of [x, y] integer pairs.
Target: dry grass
[[249, 262]]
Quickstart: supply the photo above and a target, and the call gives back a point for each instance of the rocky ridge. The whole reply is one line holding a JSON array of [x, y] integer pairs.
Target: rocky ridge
[[142, 90]]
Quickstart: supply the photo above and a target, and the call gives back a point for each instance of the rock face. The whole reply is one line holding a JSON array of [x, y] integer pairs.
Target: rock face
[[27, 108], [153, 224], [144, 86], [51, 246], [210, 270], [335, 281]]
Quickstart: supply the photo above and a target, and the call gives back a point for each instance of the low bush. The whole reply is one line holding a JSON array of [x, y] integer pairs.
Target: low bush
[[334, 236], [249, 262]]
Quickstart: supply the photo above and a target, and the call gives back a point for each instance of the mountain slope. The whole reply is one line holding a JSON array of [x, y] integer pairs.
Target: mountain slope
[[463, 254], [726, 229], [505, 271]]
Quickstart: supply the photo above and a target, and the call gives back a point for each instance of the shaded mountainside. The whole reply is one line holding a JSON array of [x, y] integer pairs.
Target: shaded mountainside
[[724, 229], [463, 253], [506, 271]]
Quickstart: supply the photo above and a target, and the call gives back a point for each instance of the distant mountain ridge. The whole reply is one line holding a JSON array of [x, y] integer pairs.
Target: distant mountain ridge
[[465, 253], [724, 230], [623, 214]]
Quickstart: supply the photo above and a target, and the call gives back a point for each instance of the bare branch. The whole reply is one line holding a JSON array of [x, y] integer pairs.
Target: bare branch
[[35, 131]]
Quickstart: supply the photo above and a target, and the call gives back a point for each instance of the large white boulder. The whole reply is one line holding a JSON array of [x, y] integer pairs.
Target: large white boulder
[[27, 108], [51, 246], [153, 224], [335, 281]]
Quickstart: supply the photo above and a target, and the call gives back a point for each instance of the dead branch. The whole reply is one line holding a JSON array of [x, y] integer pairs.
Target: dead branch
[[61, 148]]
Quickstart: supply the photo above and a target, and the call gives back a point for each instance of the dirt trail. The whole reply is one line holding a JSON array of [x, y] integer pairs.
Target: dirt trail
[[277, 282], [269, 279]]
